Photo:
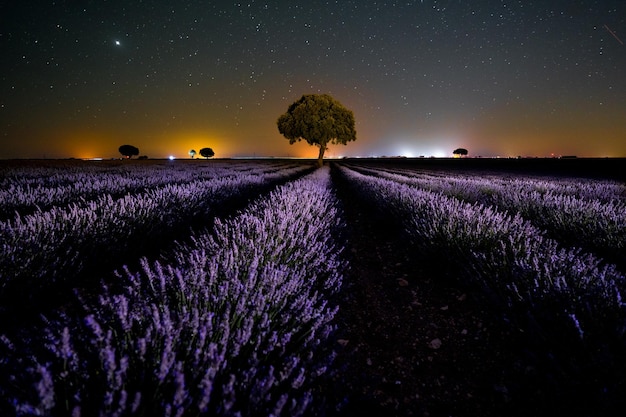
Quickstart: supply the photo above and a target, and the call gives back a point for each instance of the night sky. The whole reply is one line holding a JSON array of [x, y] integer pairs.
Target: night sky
[[497, 77]]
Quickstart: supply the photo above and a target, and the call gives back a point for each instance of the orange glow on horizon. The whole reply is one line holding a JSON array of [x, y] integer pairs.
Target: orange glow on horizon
[[83, 144], [484, 138]]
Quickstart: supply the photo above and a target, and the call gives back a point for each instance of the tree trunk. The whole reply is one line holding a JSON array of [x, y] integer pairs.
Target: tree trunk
[[320, 158]]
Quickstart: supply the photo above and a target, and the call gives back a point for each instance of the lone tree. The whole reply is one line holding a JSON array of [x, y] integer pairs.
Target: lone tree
[[192, 153], [320, 120], [207, 152], [128, 151], [459, 152]]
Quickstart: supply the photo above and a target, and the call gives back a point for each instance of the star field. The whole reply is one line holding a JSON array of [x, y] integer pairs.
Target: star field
[[422, 77]]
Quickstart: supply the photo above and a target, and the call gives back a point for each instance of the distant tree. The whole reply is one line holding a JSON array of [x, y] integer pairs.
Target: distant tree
[[207, 152], [320, 120], [192, 153], [459, 152], [143, 157], [128, 151]]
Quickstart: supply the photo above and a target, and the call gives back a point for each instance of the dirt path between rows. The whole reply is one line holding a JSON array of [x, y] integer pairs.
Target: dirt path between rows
[[410, 341]]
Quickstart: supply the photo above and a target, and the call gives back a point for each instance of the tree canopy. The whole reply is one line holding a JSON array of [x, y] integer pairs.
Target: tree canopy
[[460, 152], [207, 152], [128, 151], [192, 153], [320, 120]]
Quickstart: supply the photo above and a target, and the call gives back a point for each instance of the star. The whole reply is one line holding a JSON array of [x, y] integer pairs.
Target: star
[[118, 43]]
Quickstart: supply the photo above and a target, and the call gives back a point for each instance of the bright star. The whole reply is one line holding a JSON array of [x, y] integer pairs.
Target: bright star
[[117, 43]]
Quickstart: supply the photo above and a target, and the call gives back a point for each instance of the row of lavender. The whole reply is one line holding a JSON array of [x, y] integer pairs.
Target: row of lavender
[[588, 214], [566, 301], [46, 248], [586, 189], [233, 323], [24, 190]]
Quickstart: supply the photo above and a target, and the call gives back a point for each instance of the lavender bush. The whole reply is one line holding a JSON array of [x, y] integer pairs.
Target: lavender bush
[[590, 214], [49, 247], [231, 324], [27, 190], [581, 188]]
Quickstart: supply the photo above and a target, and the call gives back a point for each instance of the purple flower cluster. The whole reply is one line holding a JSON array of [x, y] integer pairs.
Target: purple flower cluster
[[46, 247], [589, 214], [504, 254], [233, 323], [26, 190]]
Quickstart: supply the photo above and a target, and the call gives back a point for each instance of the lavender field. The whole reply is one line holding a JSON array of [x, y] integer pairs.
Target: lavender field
[[272, 287]]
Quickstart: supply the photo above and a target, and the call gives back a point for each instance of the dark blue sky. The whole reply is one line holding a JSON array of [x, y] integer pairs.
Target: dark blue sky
[[422, 77]]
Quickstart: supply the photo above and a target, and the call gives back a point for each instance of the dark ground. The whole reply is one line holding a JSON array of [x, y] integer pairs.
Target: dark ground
[[410, 344], [412, 341]]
